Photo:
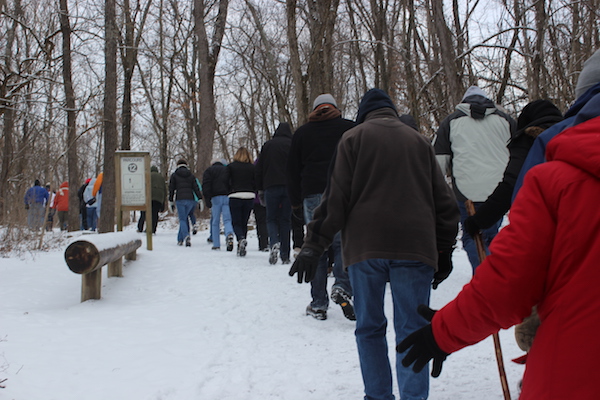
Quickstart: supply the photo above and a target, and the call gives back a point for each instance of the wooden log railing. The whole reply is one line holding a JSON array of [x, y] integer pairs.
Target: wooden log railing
[[88, 254]]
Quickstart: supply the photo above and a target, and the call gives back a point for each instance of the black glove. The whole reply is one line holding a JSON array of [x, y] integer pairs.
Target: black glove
[[305, 264], [444, 268], [91, 201], [208, 202], [422, 347], [27, 206], [471, 226]]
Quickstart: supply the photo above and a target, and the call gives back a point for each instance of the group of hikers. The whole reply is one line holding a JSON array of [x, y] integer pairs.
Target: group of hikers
[[375, 197]]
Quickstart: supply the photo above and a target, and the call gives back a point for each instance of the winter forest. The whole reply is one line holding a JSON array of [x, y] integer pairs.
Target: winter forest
[[197, 79]]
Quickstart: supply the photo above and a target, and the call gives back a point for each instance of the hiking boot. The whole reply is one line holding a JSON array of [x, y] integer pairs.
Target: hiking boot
[[229, 241], [195, 229], [188, 242], [316, 314], [180, 243], [216, 248], [339, 296], [209, 240], [285, 261], [242, 247], [274, 254]]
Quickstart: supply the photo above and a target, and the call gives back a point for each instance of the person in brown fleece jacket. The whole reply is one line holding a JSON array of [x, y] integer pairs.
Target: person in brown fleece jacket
[[399, 220]]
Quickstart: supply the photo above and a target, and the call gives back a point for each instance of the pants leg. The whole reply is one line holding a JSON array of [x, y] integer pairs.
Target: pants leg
[[369, 279], [469, 243], [217, 206], [235, 207], [157, 207], [183, 210], [142, 221], [342, 279], [260, 216]]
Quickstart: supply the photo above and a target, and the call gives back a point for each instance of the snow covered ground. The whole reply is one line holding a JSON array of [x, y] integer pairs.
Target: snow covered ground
[[191, 323]]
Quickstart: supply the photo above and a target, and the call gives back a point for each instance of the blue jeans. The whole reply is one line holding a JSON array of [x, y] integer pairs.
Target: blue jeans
[[469, 243], [318, 286], [92, 218], [279, 218], [220, 207], [183, 211], [410, 283]]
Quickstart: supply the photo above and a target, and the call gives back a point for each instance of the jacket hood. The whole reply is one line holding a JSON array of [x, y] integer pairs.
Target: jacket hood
[[283, 129], [540, 113], [373, 100], [476, 106], [183, 171], [578, 146], [64, 185], [154, 168]]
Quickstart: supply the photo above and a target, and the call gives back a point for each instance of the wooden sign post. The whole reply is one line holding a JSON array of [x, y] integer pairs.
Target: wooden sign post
[[134, 188]]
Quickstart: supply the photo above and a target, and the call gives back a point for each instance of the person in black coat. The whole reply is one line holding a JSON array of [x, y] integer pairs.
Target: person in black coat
[[241, 198], [271, 184], [182, 188], [215, 184]]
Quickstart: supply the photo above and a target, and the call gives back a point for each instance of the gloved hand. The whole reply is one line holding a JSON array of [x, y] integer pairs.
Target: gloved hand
[[471, 226], [172, 207], [422, 347], [208, 202], [261, 198], [201, 205], [91, 201], [444, 267], [305, 264], [27, 206]]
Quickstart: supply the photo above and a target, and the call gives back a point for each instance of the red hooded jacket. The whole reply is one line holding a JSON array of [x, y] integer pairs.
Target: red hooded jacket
[[548, 255], [61, 201]]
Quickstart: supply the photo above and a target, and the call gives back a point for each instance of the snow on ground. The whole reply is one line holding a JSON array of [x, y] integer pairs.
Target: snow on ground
[[192, 323]]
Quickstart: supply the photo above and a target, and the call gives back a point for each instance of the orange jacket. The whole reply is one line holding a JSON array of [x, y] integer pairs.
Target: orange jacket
[[61, 201], [98, 184]]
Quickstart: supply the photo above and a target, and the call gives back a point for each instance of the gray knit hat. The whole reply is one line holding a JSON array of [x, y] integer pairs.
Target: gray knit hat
[[325, 98], [590, 74]]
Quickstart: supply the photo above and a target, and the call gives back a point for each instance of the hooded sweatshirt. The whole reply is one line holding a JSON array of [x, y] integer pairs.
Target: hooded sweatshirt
[[548, 256], [272, 162], [61, 201], [182, 185]]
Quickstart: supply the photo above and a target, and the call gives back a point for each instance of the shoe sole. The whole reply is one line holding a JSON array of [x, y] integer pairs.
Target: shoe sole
[[274, 255], [242, 251], [347, 307], [229, 244]]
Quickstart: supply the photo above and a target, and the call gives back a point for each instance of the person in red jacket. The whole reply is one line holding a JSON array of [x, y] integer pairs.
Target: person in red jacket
[[61, 204], [547, 256]]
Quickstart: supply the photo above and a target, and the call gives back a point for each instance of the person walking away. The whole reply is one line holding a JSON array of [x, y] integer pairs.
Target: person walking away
[[200, 206], [215, 183], [35, 200], [547, 256], [260, 218], [61, 204], [82, 206], [90, 204], [387, 236], [159, 196], [535, 117], [471, 148], [271, 184], [97, 193], [182, 188], [51, 208], [243, 189], [311, 152]]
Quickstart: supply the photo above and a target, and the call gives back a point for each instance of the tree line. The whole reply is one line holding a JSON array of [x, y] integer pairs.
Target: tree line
[[197, 79]]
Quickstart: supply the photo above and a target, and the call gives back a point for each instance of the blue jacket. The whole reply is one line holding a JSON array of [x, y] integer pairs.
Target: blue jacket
[[587, 106], [36, 194]]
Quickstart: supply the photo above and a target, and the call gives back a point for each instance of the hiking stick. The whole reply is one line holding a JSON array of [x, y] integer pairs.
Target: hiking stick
[[499, 359]]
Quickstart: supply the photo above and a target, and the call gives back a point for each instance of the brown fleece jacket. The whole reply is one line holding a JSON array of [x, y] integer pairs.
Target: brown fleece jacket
[[387, 195]]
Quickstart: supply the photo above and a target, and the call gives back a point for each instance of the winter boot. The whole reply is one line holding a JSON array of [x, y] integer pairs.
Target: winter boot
[[316, 314], [188, 242], [339, 296], [242, 247]]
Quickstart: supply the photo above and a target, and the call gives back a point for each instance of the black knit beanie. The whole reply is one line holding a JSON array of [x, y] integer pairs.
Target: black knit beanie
[[537, 113], [373, 100]]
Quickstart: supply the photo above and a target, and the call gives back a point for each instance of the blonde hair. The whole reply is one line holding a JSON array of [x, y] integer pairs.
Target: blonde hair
[[242, 155]]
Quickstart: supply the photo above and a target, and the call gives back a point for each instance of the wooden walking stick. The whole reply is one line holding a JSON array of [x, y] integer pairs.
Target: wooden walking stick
[[499, 359]]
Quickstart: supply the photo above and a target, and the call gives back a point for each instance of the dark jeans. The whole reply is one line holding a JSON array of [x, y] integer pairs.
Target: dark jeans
[[240, 213], [298, 227], [157, 207], [279, 213], [260, 215]]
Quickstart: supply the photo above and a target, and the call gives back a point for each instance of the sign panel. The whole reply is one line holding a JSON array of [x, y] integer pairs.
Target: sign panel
[[133, 181]]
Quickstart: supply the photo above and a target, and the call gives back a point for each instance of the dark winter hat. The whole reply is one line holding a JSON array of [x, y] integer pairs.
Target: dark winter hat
[[409, 120], [325, 98], [538, 113], [181, 161], [154, 168], [590, 74], [37, 183], [373, 100]]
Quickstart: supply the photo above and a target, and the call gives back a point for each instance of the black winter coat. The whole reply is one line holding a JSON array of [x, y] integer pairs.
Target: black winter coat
[[313, 146], [182, 185], [215, 182], [241, 177], [272, 161]]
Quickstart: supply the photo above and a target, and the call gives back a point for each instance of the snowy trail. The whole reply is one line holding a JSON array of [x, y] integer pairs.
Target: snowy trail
[[191, 323]]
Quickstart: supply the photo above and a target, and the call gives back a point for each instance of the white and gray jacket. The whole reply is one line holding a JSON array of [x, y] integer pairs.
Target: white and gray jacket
[[471, 147]]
